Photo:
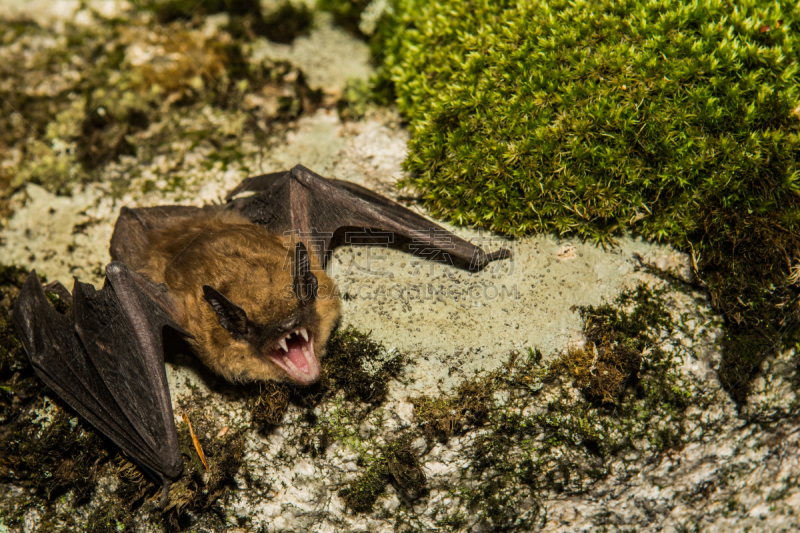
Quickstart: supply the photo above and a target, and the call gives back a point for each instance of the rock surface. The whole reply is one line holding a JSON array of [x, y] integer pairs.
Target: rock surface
[[732, 469]]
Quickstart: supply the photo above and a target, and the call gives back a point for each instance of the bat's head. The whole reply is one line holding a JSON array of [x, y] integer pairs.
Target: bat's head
[[266, 316]]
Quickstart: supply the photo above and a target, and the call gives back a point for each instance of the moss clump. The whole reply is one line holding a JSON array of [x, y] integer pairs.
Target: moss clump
[[626, 337], [443, 417], [359, 366], [616, 342], [176, 10], [394, 463], [355, 100], [246, 17], [675, 120], [746, 264], [196, 498], [51, 451], [268, 403], [536, 435], [585, 117], [60, 130]]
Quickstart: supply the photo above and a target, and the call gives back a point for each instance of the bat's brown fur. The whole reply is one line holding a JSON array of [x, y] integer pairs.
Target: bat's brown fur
[[251, 267]]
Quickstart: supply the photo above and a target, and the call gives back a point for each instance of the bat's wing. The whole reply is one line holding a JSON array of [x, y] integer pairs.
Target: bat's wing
[[105, 359], [326, 212]]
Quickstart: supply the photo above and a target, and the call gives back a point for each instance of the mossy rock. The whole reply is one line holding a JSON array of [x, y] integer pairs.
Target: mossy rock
[[676, 121]]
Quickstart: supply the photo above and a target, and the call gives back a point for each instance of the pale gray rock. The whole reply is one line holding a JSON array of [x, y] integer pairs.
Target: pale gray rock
[[734, 470]]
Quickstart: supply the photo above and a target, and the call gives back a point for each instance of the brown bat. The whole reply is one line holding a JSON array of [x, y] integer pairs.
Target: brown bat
[[221, 277]]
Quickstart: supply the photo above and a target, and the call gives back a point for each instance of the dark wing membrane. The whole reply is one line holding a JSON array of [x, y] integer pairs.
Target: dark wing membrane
[[302, 201], [130, 243], [106, 360]]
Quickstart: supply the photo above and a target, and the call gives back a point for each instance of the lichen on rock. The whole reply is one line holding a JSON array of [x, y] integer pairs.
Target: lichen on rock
[[450, 400]]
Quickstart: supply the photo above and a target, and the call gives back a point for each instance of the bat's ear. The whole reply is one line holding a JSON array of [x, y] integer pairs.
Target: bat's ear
[[231, 316], [305, 282]]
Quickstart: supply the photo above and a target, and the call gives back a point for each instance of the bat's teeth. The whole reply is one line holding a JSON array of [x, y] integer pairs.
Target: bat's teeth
[[304, 333], [282, 344]]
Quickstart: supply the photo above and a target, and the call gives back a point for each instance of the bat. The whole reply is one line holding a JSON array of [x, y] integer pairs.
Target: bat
[[221, 277]]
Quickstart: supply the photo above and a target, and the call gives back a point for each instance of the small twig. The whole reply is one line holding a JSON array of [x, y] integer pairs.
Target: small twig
[[196, 442]]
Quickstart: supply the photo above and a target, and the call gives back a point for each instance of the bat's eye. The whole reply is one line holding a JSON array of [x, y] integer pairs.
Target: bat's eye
[[231, 316]]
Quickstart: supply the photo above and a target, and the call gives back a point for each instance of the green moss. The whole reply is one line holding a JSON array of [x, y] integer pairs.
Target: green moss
[[176, 10], [555, 130], [677, 121], [49, 450], [268, 402], [615, 344], [536, 435], [355, 100], [443, 417], [246, 18], [68, 130], [745, 265], [394, 463], [359, 366]]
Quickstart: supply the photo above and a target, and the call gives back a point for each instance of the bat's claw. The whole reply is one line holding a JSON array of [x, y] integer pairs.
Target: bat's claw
[[502, 253], [164, 494]]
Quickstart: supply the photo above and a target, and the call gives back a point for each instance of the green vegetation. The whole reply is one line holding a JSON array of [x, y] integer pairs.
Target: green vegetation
[[678, 121], [588, 117], [615, 345], [443, 417], [360, 367], [58, 129], [176, 10], [51, 452], [17, 383], [394, 463], [286, 23], [538, 436]]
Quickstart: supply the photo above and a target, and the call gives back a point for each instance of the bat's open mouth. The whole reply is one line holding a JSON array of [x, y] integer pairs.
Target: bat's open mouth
[[295, 354]]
